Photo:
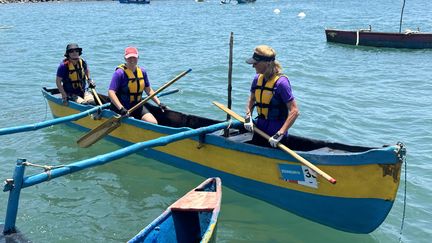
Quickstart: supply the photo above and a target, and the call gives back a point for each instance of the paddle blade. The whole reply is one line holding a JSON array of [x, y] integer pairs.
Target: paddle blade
[[99, 132]]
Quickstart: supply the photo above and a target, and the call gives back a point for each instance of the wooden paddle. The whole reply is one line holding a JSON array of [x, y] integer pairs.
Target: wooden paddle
[[280, 145], [111, 124], [95, 94]]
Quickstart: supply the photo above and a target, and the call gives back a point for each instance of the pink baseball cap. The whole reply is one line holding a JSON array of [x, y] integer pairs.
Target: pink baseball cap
[[131, 52]]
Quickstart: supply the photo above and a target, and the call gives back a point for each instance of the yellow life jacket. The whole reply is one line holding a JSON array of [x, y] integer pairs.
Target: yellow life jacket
[[267, 105], [76, 74], [136, 85]]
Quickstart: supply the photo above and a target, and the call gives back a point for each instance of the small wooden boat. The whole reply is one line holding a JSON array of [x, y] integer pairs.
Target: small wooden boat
[[245, 1], [238, 1], [193, 218], [367, 177], [366, 37], [135, 1]]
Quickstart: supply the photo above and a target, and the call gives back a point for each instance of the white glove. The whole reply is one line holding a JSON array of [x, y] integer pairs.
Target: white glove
[[248, 125], [276, 139]]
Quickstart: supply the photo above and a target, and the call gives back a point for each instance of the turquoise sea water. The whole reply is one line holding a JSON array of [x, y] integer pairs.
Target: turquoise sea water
[[356, 95]]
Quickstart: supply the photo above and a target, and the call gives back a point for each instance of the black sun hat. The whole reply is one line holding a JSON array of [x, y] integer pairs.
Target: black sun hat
[[72, 46]]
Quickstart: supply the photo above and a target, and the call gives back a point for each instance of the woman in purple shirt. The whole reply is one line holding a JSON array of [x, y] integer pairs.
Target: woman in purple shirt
[[128, 83], [272, 96]]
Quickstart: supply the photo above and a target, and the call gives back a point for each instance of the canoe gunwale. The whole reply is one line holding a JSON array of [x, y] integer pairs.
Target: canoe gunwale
[[319, 157]]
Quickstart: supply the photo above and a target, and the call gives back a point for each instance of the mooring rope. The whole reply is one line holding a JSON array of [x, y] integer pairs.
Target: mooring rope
[[358, 37], [405, 191], [229, 124], [46, 110], [47, 168]]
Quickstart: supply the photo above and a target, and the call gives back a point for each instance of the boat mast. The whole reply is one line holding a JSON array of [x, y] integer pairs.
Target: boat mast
[[400, 24], [230, 64]]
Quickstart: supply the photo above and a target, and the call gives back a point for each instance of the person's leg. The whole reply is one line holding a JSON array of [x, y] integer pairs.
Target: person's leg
[[148, 117], [144, 114], [89, 99], [77, 99]]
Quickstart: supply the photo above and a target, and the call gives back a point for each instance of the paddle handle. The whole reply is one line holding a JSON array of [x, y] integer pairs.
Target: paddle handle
[[142, 102], [280, 145], [93, 90], [95, 94]]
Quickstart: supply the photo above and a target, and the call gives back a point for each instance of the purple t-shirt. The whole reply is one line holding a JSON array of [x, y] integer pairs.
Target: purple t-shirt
[[62, 71], [283, 91], [120, 81]]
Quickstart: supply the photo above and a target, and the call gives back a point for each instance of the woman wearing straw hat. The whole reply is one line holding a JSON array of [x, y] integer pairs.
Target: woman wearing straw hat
[[271, 94]]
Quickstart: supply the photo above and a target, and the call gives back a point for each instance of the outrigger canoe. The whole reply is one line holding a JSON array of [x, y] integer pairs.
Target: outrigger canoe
[[367, 177], [192, 218]]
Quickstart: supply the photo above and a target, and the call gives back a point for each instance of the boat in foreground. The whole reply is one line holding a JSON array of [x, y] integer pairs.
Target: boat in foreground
[[192, 218], [367, 37], [367, 177]]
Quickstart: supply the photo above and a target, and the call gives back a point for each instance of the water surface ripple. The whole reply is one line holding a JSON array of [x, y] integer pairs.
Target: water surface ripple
[[356, 95]]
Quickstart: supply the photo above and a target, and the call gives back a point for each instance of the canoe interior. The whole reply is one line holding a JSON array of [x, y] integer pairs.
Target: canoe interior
[[186, 220], [180, 226], [177, 119]]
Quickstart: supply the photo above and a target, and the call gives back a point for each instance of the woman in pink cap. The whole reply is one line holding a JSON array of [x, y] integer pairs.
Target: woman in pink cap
[[127, 85]]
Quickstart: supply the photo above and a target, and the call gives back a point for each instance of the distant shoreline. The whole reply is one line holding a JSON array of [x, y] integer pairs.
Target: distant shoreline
[[26, 1], [39, 1]]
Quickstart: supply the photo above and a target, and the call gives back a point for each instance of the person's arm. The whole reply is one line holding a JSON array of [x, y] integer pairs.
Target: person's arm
[[292, 116], [149, 91], [115, 85], [60, 87], [114, 99], [250, 103], [87, 72], [59, 81], [91, 83]]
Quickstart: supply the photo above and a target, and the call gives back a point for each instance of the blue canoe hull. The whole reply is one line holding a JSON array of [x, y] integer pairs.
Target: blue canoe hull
[[360, 201]]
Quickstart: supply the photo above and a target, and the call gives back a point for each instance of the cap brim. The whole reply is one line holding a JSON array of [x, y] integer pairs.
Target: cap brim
[[251, 61], [131, 55]]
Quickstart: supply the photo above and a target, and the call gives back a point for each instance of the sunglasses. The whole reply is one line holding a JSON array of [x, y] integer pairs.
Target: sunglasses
[[73, 50]]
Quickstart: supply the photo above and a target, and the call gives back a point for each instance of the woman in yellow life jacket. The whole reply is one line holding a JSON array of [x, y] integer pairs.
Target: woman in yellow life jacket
[[272, 96], [72, 76], [128, 83]]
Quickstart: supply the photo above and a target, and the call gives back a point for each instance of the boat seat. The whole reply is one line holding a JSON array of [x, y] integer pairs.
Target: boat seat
[[241, 138], [197, 201], [328, 150], [235, 135]]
